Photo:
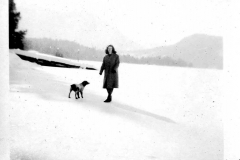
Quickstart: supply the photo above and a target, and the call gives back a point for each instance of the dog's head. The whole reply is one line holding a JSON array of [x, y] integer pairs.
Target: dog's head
[[84, 83]]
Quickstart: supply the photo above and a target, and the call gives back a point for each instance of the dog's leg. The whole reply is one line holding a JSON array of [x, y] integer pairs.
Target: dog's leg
[[81, 93], [70, 93], [76, 94]]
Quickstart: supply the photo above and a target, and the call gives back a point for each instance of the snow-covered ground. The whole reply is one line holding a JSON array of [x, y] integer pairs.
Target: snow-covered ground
[[164, 113]]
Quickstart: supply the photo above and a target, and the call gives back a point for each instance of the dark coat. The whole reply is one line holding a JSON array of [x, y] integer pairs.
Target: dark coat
[[110, 66]]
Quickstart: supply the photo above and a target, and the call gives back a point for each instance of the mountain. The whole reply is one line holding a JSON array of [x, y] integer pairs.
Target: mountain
[[73, 50], [202, 51], [197, 51]]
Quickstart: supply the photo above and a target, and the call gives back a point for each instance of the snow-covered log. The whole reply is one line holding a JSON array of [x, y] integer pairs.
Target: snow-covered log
[[49, 60]]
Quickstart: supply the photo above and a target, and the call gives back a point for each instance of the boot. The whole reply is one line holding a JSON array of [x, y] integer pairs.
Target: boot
[[109, 99]]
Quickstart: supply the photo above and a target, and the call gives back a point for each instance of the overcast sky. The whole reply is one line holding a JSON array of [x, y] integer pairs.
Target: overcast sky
[[127, 24]]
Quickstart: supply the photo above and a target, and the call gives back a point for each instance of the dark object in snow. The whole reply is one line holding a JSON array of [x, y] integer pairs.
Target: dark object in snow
[[78, 88], [27, 58], [64, 65], [50, 63], [89, 68]]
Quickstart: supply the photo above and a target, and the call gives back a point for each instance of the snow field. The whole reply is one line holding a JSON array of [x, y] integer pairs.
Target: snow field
[[157, 113]]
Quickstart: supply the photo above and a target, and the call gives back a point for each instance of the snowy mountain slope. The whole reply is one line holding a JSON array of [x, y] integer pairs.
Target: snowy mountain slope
[[202, 51], [157, 113]]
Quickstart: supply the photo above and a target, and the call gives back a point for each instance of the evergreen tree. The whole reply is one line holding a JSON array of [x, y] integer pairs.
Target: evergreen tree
[[16, 37]]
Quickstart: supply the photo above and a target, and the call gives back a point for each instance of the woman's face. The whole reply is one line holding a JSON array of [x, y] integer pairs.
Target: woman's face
[[110, 49]]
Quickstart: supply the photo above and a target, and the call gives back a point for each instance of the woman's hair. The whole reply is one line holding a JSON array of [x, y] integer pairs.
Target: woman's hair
[[113, 49]]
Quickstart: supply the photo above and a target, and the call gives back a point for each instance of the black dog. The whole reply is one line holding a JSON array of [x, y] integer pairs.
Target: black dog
[[78, 88]]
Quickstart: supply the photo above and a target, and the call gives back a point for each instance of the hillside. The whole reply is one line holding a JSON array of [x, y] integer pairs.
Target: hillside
[[73, 50], [197, 51], [202, 51]]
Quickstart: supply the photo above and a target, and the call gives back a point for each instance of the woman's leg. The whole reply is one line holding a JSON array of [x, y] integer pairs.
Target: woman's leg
[[109, 98], [110, 90]]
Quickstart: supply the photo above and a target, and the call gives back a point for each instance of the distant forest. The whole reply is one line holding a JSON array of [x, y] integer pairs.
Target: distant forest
[[73, 50]]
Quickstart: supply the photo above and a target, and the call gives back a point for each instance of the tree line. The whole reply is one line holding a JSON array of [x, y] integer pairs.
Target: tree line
[[16, 36], [73, 50]]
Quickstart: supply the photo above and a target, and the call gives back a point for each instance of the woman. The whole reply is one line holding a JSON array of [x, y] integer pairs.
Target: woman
[[110, 66]]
